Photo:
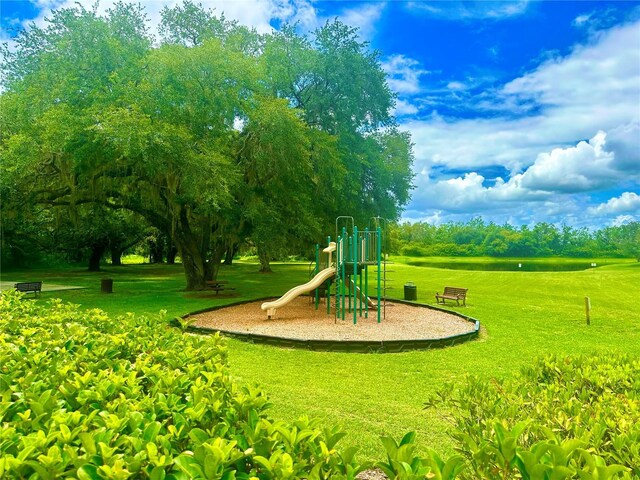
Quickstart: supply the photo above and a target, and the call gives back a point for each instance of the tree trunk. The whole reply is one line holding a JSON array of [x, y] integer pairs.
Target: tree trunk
[[263, 256], [192, 246], [215, 260], [156, 250], [194, 265], [230, 253], [172, 251], [97, 251], [116, 256]]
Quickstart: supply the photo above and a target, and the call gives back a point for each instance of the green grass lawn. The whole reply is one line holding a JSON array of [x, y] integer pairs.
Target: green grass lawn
[[523, 315]]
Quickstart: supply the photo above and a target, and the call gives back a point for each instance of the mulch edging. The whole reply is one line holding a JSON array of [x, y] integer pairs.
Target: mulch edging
[[351, 346]]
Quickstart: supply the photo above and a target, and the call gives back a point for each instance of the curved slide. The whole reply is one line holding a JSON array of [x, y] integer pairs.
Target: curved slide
[[312, 284]]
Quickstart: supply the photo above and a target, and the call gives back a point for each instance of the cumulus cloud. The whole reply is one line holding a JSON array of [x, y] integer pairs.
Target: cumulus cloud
[[624, 141], [594, 88], [550, 183], [585, 167], [627, 203], [403, 74]]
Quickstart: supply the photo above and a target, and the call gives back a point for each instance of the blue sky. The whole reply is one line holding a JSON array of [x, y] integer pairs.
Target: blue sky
[[520, 112]]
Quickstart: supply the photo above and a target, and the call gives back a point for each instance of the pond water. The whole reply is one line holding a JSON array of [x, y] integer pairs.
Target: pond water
[[508, 266]]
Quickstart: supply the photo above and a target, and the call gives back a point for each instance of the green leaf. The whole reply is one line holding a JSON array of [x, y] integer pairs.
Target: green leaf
[[189, 465], [151, 431], [390, 446], [157, 473], [88, 472], [198, 436], [408, 438], [264, 462], [453, 467]]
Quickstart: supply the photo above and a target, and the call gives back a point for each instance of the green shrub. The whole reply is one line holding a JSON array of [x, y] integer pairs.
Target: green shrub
[[86, 396], [562, 418]]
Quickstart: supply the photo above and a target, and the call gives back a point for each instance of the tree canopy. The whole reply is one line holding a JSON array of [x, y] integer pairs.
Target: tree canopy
[[215, 134]]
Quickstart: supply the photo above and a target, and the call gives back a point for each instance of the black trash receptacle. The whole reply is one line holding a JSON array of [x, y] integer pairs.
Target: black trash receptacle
[[106, 285], [410, 291]]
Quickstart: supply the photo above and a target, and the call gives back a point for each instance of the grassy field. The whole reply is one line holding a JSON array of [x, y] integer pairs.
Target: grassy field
[[523, 314]]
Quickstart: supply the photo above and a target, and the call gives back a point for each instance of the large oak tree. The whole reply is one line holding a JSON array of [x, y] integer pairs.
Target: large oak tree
[[214, 135]]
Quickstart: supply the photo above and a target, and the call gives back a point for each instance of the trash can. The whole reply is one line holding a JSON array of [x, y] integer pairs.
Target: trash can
[[106, 285], [410, 291]]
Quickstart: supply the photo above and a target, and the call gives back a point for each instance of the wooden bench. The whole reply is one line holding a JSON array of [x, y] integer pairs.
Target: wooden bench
[[29, 287], [453, 293]]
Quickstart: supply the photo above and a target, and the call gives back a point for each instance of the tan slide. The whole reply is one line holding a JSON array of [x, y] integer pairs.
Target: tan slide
[[312, 284]]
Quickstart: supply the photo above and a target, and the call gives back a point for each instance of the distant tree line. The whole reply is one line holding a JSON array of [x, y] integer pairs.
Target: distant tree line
[[212, 134], [477, 238]]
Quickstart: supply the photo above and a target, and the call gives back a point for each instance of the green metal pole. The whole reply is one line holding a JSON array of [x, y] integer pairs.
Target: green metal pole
[[344, 258], [378, 256], [317, 270], [366, 275], [338, 270], [355, 273], [360, 298], [350, 250]]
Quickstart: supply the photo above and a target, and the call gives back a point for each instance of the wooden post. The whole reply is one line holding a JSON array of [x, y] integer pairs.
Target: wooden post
[[587, 309]]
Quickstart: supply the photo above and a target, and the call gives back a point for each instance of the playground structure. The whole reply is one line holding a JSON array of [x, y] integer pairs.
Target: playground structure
[[346, 273]]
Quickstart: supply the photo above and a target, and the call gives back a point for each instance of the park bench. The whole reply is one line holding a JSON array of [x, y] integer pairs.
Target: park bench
[[218, 286], [29, 287], [453, 293]]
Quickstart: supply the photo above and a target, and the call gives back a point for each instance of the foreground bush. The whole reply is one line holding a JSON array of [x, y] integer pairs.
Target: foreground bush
[[86, 396], [562, 418]]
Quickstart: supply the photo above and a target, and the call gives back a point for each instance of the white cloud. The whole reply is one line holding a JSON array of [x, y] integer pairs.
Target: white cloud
[[627, 203], [581, 20], [403, 74], [550, 184], [470, 10], [256, 14], [605, 72], [364, 17], [587, 166], [404, 108], [468, 193], [596, 87], [456, 85], [624, 140]]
